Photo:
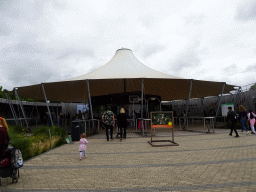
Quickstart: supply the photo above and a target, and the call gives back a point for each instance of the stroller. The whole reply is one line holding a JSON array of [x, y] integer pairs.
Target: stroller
[[12, 169]]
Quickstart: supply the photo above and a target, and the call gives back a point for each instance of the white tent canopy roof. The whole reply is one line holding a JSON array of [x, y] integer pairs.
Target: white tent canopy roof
[[123, 74], [124, 65]]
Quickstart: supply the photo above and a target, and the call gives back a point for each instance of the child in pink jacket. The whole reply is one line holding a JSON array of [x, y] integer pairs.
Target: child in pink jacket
[[82, 147], [251, 120]]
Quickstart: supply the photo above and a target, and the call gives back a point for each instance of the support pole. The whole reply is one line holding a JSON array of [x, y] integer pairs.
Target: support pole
[[142, 87], [65, 116], [224, 84], [50, 115], [89, 94], [189, 95], [21, 106], [12, 109], [133, 114]]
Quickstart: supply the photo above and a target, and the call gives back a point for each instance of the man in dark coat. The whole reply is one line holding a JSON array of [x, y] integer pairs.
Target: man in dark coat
[[231, 117]]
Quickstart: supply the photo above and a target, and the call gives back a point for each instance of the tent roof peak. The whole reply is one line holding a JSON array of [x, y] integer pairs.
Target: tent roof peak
[[123, 49], [124, 65]]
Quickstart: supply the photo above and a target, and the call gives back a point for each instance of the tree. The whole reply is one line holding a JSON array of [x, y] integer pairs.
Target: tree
[[2, 93], [253, 87]]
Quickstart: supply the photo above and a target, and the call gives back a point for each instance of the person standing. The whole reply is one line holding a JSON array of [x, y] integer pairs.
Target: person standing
[[243, 117], [122, 123], [251, 119], [231, 117], [108, 119], [79, 114]]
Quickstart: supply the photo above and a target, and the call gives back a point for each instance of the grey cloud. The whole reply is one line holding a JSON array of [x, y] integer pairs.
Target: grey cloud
[[148, 20], [4, 29], [27, 10], [247, 11], [231, 69], [26, 72], [254, 50], [152, 49], [187, 58], [69, 52], [195, 19], [27, 44], [251, 67]]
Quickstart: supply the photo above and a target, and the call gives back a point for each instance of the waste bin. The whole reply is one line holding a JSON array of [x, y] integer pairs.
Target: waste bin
[[77, 128]]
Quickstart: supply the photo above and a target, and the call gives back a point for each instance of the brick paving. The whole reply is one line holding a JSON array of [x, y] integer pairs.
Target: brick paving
[[201, 162]]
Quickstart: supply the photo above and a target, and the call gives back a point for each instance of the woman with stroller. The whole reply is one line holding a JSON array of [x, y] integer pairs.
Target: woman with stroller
[[251, 119], [4, 142], [122, 123]]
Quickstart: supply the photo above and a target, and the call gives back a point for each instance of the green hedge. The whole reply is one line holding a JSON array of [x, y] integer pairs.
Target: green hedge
[[29, 146], [55, 131]]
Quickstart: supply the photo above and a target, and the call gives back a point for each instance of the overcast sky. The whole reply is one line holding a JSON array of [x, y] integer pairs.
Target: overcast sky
[[46, 41]]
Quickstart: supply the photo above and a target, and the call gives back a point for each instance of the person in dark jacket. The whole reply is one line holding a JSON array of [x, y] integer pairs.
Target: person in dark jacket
[[231, 119], [242, 117], [122, 123], [4, 142], [108, 119]]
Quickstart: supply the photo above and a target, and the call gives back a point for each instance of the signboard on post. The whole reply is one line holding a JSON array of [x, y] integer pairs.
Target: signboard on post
[[162, 120], [224, 108]]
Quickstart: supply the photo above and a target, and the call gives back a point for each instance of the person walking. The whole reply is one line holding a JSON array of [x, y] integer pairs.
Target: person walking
[[231, 117], [83, 142], [242, 117], [108, 119], [251, 118], [122, 123]]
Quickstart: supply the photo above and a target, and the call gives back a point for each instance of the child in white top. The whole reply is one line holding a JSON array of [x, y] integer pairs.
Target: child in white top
[[82, 147]]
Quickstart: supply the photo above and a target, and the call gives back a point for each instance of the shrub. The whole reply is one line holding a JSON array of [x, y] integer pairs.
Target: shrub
[[22, 143], [58, 131], [55, 131], [38, 143], [41, 130], [60, 141], [16, 129], [38, 138]]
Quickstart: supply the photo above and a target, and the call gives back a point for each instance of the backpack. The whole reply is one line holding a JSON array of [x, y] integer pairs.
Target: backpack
[[16, 159]]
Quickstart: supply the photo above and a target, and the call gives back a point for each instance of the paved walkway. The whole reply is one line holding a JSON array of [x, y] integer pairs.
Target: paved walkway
[[201, 162]]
